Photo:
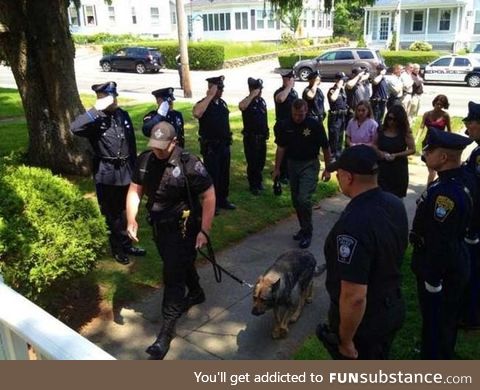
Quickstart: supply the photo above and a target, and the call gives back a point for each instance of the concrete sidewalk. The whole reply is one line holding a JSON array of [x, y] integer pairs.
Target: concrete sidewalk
[[222, 327]]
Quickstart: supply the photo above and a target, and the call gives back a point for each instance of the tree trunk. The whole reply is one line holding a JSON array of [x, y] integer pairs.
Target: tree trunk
[[38, 46]]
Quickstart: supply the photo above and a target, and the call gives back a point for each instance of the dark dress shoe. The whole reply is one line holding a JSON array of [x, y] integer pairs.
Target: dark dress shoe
[[305, 242], [298, 235], [136, 251], [227, 205], [121, 258]]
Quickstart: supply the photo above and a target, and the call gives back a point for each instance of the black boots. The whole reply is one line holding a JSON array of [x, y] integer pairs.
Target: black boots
[[160, 347]]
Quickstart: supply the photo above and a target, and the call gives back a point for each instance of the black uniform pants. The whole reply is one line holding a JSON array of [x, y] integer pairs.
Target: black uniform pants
[[112, 200], [378, 108], [440, 313], [216, 157], [337, 123], [178, 254], [255, 148], [392, 100]]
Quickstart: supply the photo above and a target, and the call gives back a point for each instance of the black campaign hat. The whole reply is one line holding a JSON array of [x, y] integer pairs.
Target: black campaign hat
[[359, 159], [164, 93], [218, 81], [313, 75], [444, 139], [110, 88], [473, 112], [254, 83], [288, 73]]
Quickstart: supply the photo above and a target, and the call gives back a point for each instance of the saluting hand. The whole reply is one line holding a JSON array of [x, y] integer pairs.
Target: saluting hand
[[132, 229], [212, 91]]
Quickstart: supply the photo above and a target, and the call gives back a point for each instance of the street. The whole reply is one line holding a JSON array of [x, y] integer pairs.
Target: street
[[139, 86]]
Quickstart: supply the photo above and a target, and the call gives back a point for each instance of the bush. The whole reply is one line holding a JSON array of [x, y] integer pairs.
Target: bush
[[361, 42], [288, 61], [393, 43], [100, 38], [420, 46], [202, 55], [404, 56], [50, 235], [288, 38]]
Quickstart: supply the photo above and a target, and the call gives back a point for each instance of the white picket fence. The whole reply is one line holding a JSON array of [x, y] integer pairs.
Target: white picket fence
[[28, 332]]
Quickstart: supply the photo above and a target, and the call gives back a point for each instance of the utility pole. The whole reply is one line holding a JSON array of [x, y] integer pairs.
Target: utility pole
[[183, 44], [399, 24]]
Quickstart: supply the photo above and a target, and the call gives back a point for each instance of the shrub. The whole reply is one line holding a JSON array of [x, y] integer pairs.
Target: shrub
[[104, 38], [49, 234], [404, 56], [288, 38], [202, 55], [361, 42], [288, 61], [420, 46]]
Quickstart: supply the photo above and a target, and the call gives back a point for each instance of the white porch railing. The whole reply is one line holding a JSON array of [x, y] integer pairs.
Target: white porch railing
[[22, 323]]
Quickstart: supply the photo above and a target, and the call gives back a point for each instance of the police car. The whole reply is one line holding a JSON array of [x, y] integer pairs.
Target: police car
[[454, 69]]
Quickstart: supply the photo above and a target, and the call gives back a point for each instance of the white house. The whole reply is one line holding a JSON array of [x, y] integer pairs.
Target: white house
[[445, 24], [236, 20]]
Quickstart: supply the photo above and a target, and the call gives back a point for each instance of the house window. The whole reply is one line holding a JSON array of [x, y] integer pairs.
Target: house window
[[111, 15], [134, 16], [90, 15], [417, 21], [241, 20], [174, 17], [320, 24], [271, 20], [313, 18], [260, 21], [444, 20], [73, 16], [476, 26], [216, 22], [154, 15]]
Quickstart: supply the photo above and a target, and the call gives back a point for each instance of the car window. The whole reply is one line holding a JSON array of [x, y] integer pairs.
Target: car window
[[131, 52], [442, 62], [328, 56], [344, 55], [461, 62], [365, 54], [121, 53]]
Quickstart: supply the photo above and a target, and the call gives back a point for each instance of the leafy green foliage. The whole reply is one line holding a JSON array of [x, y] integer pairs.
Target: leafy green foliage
[[420, 46], [50, 235], [102, 38], [403, 56]]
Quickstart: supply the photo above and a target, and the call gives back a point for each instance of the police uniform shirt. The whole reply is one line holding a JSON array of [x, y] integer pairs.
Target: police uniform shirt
[[284, 110], [302, 141], [380, 90], [355, 95], [367, 244], [341, 102], [164, 182], [214, 123], [255, 119], [316, 105], [174, 117], [443, 214], [112, 137]]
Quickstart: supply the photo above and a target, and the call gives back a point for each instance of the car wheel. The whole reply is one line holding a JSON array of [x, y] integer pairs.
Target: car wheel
[[473, 80], [106, 66], [303, 73], [140, 68]]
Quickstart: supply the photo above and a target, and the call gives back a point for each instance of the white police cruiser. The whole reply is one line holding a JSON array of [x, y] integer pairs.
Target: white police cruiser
[[454, 69]]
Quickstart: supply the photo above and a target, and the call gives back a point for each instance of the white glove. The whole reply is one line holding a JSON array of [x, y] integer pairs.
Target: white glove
[[163, 109], [433, 289], [102, 103]]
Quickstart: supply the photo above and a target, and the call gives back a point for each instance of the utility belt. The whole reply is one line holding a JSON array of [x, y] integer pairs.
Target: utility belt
[[387, 299], [254, 136], [172, 223], [116, 161], [338, 112], [214, 142]]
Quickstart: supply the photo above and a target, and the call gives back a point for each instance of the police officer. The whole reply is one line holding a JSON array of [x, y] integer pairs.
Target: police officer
[[314, 97], [181, 204], [440, 258], [283, 98], [299, 140], [255, 133], [215, 139], [471, 307], [357, 89], [337, 115], [363, 252], [379, 98], [109, 130], [165, 112]]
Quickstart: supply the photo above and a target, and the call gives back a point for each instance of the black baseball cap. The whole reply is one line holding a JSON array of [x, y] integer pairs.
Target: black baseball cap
[[359, 159]]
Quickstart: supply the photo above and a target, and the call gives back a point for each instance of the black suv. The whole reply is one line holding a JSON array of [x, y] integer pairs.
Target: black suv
[[140, 59]]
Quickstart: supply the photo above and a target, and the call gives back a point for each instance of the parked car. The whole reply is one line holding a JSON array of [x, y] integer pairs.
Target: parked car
[[454, 69], [339, 60], [139, 59]]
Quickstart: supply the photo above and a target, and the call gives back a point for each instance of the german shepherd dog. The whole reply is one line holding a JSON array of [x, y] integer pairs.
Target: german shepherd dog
[[286, 286]]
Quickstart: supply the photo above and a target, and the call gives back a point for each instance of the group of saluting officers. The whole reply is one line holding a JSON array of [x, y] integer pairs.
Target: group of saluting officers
[[364, 249]]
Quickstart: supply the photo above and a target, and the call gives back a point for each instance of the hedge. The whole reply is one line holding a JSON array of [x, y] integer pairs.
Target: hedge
[[50, 235], [202, 55], [287, 61]]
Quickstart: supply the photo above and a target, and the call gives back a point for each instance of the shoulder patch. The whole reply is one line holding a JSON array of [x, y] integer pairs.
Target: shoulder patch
[[443, 207], [200, 168], [345, 248]]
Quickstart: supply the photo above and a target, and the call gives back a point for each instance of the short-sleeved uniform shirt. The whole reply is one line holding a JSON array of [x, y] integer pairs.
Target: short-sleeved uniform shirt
[[301, 140], [316, 106], [284, 110], [473, 165], [164, 182], [214, 123], [255, 121], [366, 246]]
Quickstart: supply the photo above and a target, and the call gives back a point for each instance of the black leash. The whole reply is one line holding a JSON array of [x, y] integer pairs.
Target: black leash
[[218, 269]]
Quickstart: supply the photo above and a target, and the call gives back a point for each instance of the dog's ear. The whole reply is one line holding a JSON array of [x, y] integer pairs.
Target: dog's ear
[[275, 286]]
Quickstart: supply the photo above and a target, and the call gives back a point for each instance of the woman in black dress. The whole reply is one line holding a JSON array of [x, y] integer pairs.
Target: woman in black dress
[[394, 143]]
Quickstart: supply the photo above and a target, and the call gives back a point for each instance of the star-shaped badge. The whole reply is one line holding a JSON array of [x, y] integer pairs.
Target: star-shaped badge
[[306, 132]]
